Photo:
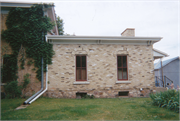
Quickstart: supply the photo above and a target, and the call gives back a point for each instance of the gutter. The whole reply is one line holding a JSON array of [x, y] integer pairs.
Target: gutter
[[55, 39], [117, 38]]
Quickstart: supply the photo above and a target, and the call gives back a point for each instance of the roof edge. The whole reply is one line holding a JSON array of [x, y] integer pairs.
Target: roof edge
[[154, 39], [163, 53], [173, 59]]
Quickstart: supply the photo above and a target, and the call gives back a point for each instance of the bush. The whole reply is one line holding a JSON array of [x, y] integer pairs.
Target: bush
[[26, 80], [168, 99], [12, 89], [88, 97]]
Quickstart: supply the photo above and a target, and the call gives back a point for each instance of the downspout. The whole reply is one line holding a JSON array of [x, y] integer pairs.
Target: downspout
[[42, 83], [162, 72], [38, 94], [44, 89], [42, 75], [149, 42], [46, 84]]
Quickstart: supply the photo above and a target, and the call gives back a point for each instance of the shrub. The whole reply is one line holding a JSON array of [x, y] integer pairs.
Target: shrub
[[12, 89], [88, 97], [168, 99], [26, 80]]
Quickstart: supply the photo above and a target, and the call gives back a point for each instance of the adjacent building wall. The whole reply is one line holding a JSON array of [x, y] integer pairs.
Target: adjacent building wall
[[101, 70], [5, 48], [172, 71], [34, 85]]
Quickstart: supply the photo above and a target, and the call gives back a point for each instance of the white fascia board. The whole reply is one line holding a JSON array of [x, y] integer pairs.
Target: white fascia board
[[100, 39], [13, 4], [60, 37], [6, 6]]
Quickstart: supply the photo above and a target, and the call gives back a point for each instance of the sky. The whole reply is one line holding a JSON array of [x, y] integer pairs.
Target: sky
[[150, 18]]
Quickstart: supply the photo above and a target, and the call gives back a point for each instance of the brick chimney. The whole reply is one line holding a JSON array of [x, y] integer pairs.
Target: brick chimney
[[129, 32]]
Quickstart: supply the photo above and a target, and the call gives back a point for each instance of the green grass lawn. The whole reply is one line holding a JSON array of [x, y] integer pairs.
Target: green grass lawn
[[85, 109]]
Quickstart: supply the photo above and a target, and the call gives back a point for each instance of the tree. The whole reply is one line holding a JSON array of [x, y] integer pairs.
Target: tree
[[60, 24]]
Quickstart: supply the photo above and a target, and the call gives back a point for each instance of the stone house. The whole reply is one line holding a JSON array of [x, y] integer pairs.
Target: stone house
[[103, 66], [35, 84]]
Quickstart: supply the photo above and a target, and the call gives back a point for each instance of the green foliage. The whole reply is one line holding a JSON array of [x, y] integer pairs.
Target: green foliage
[[26, 80], [168, 99], [88, 97], [22, 60], [9, 68], [26, 27], [33, 69], [60, 25], [12, 90], [4, 49], [30, 62]]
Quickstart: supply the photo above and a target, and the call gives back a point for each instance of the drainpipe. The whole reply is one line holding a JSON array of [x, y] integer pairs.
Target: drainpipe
[[162, 73], [42, 75], [46, 84], [42, 84], [44, 89], [27, 101]]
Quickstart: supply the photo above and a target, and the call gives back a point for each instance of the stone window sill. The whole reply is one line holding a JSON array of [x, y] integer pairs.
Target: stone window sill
[[81, 82], [120, 82]]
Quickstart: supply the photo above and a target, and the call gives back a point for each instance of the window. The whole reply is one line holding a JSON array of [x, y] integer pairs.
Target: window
[[123, 93], [81, 70], [6, 69], [122, 68]]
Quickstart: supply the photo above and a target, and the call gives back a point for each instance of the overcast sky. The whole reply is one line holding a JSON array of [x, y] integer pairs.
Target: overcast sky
[[151, 18]]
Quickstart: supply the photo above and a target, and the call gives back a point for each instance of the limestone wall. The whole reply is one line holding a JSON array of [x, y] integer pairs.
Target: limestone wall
[[101, 70], [34, 85], [5, 48], [3, 21]]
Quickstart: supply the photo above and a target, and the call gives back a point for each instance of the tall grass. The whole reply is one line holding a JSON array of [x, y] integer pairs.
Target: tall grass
[[168, 99]]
